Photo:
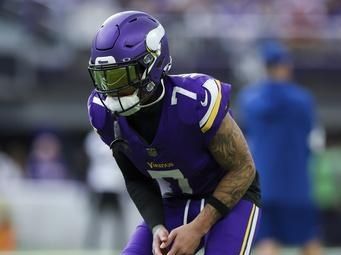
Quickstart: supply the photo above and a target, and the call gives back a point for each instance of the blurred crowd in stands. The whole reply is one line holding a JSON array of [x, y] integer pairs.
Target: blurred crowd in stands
[[44, 50], [111, 216]]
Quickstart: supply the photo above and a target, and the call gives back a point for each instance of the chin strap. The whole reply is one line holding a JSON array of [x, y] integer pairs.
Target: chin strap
[[158, 99]]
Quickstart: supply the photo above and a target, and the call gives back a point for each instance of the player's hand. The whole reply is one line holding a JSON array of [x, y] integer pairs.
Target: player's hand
[[183, 240], [160, 236]]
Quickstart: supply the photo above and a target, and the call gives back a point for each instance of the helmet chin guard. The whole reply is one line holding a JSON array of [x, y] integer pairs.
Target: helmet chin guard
[[123, 106]]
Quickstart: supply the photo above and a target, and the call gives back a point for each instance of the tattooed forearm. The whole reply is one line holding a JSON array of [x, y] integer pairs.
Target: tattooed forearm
[[230, 150]]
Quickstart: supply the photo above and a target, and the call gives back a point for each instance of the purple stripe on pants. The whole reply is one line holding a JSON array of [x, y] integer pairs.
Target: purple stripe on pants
[[226, 237]]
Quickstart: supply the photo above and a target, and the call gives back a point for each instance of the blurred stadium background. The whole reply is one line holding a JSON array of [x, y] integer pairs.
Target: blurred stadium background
[[44, 85]]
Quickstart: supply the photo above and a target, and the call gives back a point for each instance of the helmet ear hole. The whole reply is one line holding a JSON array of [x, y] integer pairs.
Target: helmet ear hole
[[159, 63]]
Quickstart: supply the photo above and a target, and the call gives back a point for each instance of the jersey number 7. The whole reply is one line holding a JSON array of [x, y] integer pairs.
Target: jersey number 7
[[174, 174]]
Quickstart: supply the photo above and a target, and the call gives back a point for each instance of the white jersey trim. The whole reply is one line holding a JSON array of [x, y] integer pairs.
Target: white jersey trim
[[212, 88]]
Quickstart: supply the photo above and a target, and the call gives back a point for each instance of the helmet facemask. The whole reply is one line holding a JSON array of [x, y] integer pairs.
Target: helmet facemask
[[125, 86]]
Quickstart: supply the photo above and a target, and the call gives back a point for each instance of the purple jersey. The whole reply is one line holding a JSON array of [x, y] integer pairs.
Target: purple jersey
[[193, 108]]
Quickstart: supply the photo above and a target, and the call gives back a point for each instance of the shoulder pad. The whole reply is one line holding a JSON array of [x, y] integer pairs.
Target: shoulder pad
[[100, 118], [200, 99], [186, 94]]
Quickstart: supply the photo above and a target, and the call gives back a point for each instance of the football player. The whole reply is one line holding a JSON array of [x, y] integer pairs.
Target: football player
[[185, 161]]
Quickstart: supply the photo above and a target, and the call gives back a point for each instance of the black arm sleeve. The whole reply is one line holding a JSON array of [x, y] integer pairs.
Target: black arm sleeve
[[144, 191]]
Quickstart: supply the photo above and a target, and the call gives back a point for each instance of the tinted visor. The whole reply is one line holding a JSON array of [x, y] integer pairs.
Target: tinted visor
[[114, 77]]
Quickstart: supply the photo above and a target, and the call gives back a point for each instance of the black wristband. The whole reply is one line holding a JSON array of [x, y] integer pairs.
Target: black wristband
[[218, 205]]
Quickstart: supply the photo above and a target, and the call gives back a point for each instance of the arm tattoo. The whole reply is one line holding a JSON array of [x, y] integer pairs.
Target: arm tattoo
[[230, 150]]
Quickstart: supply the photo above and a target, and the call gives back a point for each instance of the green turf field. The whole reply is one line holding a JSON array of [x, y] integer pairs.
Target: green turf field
[[330, 251]]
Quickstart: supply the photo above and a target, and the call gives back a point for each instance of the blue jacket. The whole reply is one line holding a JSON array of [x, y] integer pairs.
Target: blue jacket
[[277, 120]]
